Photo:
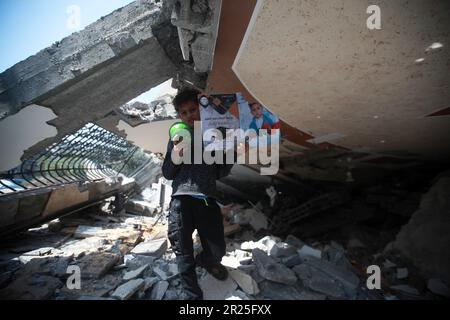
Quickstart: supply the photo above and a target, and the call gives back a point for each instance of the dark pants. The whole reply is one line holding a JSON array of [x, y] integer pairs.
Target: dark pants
[[185, 216]]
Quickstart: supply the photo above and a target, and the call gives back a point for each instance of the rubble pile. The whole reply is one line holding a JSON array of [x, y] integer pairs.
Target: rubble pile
[[128, 256]]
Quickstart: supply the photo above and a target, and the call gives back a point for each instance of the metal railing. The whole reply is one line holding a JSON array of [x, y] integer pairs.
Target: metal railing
[[90, 154]]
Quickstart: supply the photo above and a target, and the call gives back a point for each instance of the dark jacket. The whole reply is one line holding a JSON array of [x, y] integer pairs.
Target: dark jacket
[[193, 179]]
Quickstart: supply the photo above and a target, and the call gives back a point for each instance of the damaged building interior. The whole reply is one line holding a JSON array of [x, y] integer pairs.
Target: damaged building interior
[[364, 174]]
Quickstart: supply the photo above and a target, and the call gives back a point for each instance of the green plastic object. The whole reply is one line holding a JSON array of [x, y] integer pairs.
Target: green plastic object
[[176, 128]]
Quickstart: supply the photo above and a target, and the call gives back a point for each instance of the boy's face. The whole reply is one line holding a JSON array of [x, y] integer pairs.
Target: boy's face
[[189, 112], [256, 110]]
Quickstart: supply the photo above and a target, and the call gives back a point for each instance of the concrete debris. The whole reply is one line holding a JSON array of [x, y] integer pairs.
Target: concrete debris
[[96, 265], [166, 271], [99, 288], [136, 261], [271, 270], [50, 266], [349, 280], [265, 244], [439, 287], [292, 261], [282, 250], [149, 283], [307, 251], [127, 290], [318, 281], [154, 248], [159, 290], [31, 287], [131, 275], [214, 289], [294, 241], [78, 248], [245, 282], [231, 262]]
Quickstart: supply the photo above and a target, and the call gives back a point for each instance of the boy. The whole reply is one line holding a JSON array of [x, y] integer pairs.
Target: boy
[[194, 206], [262, 119]]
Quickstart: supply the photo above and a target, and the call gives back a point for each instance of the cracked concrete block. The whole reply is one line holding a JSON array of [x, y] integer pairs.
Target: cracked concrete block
[[307, 251], [131, 275], [78, 248], [214, 289], [318, 281], [245, 282], [154, 248], [127, 290], [137, 261], [95, 265], [166, 271], [31, 287], [159, 290], [349, 280], [271, 270], [282, 250], [202, 52]]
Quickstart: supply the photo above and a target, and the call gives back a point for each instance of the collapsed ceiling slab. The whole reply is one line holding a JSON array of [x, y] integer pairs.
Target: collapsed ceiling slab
[[328, 74], [85, 76]]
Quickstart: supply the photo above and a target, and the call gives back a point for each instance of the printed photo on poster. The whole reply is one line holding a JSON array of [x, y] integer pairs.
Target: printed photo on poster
[[221, 112], [254, 116]]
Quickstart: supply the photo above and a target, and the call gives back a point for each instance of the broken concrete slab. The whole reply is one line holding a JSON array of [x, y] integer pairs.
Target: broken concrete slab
[[97, 288], [307, 251], [51, 266], [135, 261], [154, 248], [245, 282], [349, 281], [95, 265], [282, 250], [233, 262], [265, 244], [271, 270], [294, 241], [31, 287], [127, 290], [149, 282], [131, 275], [159, 290], [318, 281], [166, 271], [292, 261], [214, 289], [77, 248]]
